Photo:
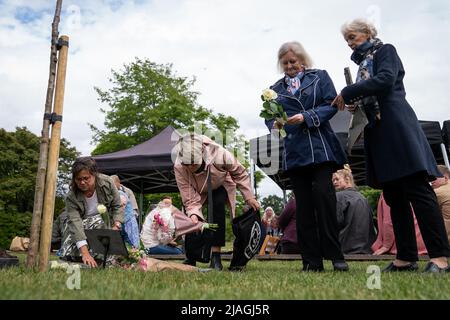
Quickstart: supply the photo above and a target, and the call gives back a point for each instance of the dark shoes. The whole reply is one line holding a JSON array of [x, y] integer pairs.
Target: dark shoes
[[216, 262], [308, 267], [433, 268], [409, 267], [340, 265], [190, 262]]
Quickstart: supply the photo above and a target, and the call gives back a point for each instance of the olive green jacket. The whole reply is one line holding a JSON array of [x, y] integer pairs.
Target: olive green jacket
[[76, 206]]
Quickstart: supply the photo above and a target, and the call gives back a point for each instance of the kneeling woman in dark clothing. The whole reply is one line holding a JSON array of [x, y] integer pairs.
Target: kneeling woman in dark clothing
[[354, 214], [398, 157], [288, 224], [312, 154]]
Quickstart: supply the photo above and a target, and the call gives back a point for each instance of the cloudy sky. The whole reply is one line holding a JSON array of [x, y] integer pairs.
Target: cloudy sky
[[230, 47]]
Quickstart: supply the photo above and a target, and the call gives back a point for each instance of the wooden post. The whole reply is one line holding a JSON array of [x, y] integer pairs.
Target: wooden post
[[52, 168], [43, 152]]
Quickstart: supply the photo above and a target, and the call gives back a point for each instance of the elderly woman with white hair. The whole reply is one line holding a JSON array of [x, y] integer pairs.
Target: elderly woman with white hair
[[398, 157], [312, 154], [199, 157]]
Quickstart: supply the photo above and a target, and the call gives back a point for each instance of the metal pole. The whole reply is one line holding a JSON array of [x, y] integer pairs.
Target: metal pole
[[141, 205], [444, 155]]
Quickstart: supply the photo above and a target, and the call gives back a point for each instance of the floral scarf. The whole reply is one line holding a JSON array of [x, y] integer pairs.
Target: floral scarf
[[293, 83], [363, 56]]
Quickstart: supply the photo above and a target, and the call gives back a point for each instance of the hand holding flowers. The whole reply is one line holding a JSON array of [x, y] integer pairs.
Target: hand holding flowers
[[272, 110]]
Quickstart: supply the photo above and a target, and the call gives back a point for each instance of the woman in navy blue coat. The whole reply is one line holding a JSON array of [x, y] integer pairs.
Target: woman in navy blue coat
[[398, 156], [312, 154]]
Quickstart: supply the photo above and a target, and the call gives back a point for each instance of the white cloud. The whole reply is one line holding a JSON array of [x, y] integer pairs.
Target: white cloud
[[229, 46]]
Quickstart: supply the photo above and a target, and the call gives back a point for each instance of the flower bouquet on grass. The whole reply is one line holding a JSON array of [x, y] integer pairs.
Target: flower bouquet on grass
[[272, 110], [169, 223], [133, 259]]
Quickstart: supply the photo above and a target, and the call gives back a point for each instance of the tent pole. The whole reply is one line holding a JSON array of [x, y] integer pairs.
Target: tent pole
[[141, 205], [444, 155]]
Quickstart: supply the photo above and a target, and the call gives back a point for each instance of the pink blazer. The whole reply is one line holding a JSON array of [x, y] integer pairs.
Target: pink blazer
[[386, 236], [225, 170]]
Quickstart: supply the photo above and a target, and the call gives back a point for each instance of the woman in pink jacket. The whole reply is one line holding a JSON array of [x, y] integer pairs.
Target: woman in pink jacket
[[198, 157], [385, 243]]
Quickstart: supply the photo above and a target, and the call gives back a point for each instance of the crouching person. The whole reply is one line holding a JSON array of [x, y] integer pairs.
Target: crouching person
[[199, 157], [93, 202]]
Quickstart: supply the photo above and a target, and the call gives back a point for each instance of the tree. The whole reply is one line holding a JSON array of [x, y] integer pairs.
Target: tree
[[144, 99], [273, 201], [19, 153]]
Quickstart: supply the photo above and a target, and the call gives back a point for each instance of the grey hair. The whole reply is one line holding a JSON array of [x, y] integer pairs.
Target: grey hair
[[298, 50], [359, 25], [190, 149]]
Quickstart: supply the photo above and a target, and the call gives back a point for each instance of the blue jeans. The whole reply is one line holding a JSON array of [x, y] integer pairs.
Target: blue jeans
[[163, 249]]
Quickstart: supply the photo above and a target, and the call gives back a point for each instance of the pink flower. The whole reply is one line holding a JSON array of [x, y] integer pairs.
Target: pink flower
[[142, 265]]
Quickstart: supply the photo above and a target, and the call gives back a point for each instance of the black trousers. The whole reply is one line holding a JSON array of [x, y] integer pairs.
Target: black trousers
[[416, 190], [317, 227], [220, 198]]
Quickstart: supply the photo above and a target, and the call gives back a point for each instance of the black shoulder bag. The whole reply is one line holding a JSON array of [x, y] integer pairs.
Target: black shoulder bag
[[198, 245]]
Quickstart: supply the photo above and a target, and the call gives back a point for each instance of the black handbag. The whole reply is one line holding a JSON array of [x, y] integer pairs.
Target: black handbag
[[197, 245], [247, 232]]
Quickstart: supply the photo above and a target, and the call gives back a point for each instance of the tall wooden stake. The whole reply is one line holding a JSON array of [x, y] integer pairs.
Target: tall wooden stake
[[53, 155], [43, 152]]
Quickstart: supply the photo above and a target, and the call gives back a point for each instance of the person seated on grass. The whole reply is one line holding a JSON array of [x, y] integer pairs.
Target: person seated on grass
[[130, 229], [354, 215], [129, 193], [266, 220], [385, 242], [159, 228], [57, 231], [441, 187], [92, 203], [288, 224]]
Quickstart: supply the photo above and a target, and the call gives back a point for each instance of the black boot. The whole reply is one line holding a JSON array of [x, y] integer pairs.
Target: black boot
[[190, 262], [216, 262]]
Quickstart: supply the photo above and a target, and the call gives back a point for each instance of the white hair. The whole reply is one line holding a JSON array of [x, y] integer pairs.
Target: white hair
[[298, 50], [190, 149], [359, 25]]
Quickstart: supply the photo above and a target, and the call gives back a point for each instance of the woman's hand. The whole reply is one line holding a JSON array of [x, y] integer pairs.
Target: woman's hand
[[254, 204], [351, 108], [194, 218], [295, 119], [117, 225], [87, 258], [277, 125], [339, 102]]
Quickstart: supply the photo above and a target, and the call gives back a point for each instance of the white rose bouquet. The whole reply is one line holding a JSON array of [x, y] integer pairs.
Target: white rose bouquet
[[272, 110]]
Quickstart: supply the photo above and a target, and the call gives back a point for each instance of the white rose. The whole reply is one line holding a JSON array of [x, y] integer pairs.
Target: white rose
[[101, 209], [269, 94]]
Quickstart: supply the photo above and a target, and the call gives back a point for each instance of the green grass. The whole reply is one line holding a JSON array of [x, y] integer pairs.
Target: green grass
[[268, 280]]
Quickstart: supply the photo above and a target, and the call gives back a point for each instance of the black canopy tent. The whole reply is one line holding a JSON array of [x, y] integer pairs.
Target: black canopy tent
[[263, 147], [146, 167]]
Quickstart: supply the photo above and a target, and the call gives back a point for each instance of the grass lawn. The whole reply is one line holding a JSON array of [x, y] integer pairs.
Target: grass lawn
[[268, 280]]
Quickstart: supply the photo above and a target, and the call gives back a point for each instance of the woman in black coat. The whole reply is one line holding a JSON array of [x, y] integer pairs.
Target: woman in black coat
[[398, 156]]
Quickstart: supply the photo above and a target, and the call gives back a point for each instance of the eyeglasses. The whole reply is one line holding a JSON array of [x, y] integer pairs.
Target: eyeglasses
[[83, 179]]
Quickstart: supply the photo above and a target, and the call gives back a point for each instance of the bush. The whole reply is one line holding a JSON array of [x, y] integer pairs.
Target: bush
[[14, 224], [372, 195]]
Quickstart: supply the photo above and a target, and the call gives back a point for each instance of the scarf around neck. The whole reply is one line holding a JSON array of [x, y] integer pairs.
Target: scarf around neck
[[293, 83], [363, 56]]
